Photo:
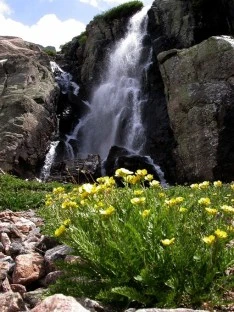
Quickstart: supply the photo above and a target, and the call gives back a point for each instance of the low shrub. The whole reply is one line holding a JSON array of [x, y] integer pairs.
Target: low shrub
[[149, 245], [122, 10]]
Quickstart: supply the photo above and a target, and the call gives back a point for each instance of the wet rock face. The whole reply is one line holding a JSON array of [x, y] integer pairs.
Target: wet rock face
[[28, 96], [199, 87]]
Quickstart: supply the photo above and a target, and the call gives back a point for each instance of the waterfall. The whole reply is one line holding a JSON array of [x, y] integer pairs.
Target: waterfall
[[115, 116], [64, 80], [45, 172]]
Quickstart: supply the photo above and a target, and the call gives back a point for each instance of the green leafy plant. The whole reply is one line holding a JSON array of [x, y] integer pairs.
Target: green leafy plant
[[122, 10], [148, 245]]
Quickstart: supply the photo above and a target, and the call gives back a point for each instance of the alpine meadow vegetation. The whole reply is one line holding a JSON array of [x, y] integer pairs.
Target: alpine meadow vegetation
[[143, 244]]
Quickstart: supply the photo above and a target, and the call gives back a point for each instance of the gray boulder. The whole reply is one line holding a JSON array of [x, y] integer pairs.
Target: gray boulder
[[28, 96], [199, 87]]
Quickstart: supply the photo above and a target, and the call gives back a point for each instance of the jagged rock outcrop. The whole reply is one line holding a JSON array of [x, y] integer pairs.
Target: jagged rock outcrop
[[177, 24], [28, 95], [199, 87]]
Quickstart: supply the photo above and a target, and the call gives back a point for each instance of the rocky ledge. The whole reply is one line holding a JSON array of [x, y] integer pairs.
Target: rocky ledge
[[27, 268]]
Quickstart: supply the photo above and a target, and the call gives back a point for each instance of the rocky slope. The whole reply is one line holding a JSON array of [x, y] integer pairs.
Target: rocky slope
[[28, 95]]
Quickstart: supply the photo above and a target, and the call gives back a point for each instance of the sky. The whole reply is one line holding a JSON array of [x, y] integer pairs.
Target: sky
[[50, 22]]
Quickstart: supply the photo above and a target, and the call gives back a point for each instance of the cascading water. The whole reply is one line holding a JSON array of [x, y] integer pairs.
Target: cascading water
[[116, 107], [45, 172]]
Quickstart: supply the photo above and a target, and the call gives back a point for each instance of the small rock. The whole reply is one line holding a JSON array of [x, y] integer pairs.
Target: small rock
[[33, 298], [4, 269], [51, 278], [23, 224], [15, 249], [93, 305], [59, 303], [56, 253], [28, 268], [12, 302], [6, 242], [18, 288], [6, 287]]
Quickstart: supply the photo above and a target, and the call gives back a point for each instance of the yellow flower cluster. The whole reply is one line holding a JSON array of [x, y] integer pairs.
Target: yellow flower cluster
[[167, 242], [212, 238], [107, 212], [145, 213], [200, 186], [228, 209], [139, 176], [138, 200], [205, 201], [211, 211], [174, 201]]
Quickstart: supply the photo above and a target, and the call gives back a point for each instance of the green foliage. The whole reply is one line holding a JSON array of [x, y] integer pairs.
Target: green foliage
[[122, 10], [17, 194], [154, 246], [51, 53], [69, 47]]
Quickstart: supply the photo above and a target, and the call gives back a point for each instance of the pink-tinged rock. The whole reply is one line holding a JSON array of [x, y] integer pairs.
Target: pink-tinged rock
[[28, 268], [12, 302], [51, 278], [6, 287], [18, 288], [5, 240], [4, 269], [59, 303], [23, 224]]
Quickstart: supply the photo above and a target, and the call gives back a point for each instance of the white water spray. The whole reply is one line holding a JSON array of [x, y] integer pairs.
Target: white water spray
[[116, 107], [45, 172], [64, 80]]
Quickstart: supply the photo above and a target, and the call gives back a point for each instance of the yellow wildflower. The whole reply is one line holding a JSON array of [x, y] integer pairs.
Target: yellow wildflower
[[167, 242], [69, 204], [58, 190], [145, 213], [138, 192], [107, 212], [138, 200], [227, 208], [161, 195], [60, 230], [232, 186], [204, 201], [141, 173], [211, 210], [155, 184], [182, 209], [174, 201], [194, 186], [209, 239], [132, 179], [204, 185], [66, 222], [149, 177], [217, 183], [122, 172], [221, 234]]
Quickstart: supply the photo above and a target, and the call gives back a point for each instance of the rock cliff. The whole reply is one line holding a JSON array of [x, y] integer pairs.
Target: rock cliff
[[27, 106], [199, 87]]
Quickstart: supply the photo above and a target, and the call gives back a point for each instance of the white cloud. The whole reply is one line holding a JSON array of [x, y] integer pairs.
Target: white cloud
[[4, 8], [49, 30]]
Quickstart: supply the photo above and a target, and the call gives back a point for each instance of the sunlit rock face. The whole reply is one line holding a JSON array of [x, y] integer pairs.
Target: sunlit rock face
[[200, 98], [28, 95]]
